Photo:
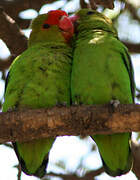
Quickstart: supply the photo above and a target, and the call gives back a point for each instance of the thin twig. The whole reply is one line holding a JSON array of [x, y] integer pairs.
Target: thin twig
[[19, 172]]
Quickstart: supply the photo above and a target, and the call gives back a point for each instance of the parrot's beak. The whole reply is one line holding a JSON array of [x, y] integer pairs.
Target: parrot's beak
[[74, 19], [66, 26]]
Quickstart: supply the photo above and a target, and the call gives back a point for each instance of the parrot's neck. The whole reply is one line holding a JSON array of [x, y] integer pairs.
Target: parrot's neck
[[43, 37], [52, 46], [102, 32], [93, 36], [96, 26], [95, 32]]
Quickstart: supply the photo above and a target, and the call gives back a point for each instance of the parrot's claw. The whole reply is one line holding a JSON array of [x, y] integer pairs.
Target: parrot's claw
[[115, 102], [11, 109], [75, 103], [61, 104]]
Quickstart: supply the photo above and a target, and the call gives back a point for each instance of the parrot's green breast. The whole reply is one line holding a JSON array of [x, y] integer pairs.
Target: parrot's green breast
[[39, 78], [103, 72]]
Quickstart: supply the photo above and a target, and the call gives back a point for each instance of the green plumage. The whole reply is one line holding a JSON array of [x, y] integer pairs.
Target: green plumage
[[39, 78], [101, 72]]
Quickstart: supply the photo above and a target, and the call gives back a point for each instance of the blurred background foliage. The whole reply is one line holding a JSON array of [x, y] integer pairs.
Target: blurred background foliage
[[71, 158]]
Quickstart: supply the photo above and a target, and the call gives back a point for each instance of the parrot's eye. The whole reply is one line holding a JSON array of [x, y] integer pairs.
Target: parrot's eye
[[90, 12], [46, 26]]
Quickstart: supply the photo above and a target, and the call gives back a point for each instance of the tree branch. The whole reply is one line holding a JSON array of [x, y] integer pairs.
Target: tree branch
[[93, 3], [105, 3], [13, 8], [133, 48], [83, 4], [132, 10], [11, 34], [5, 63], [25, 125], [136, 155]]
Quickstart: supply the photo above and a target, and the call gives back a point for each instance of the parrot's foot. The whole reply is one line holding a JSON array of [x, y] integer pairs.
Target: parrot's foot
[[74, 103], [12, 109], [115, 102], [77, 100], [60, 104], [113, 105]]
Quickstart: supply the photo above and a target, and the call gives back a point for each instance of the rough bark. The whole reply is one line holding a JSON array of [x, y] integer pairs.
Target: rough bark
[[133, 48], [11, 34], [105, 3], [5, 63], [136, 155], [93, 3], [25, 125], [13, 8]]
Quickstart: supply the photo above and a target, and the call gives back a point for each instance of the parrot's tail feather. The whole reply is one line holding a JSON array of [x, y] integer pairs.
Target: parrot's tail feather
[[115, 153], [119, 172], [40, 172], [33, 156]]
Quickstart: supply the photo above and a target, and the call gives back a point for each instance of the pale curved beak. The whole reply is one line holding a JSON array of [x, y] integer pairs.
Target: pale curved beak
[[74, 18], [66, 26]]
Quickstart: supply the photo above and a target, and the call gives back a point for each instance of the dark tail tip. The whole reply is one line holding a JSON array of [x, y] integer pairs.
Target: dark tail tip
[[40, 172], [119, 172]]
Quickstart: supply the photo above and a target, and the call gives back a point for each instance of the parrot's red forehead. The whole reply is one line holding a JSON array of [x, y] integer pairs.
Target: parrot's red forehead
[[54, 17]]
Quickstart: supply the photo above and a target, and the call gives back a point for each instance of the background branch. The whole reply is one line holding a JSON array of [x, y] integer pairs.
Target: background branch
[[105, 3], [136, 155], [20, 5], [132, 10], [94, 3], [5, 63], [11, 34], [83, 4], [87, 176], [132, 48]]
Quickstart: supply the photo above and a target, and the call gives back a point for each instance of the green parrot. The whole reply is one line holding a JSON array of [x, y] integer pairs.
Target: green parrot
[[40, 78], [102, 73]]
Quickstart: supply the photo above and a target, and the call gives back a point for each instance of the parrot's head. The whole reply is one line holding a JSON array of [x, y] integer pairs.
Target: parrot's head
[[87, 19], [53, 26]]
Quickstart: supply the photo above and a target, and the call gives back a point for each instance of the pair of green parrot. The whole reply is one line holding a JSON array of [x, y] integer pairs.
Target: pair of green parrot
[[90, 66]]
